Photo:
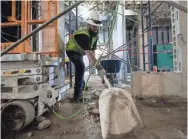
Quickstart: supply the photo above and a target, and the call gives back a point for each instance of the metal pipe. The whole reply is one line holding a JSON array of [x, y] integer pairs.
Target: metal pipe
[[168, 35], [150, 37], [76, 18], [176, 5], [143, 49], [157, 8], [23, 32], [70, 31], [40, 27], [157, 38]]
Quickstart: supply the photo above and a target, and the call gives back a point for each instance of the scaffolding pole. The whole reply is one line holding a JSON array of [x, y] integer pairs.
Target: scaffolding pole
[[70, 31], [176, 5], [150, 37], [143, 49], [148, 28]]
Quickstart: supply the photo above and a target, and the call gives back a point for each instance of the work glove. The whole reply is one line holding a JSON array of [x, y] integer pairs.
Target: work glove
[[101, 72]]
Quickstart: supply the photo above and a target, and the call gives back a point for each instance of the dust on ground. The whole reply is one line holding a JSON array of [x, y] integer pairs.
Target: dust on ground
[[163, 119]]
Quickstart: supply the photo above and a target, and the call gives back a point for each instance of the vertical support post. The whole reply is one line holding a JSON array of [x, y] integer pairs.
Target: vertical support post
[[143, 45], [28, 26], [150, 45], [70, 32], [26, 30], [76, 17], [157, 38], [23, 23], [49, 9], [18, 27], [56, 30], [13, 9], [104, 36], [168, 35], [137, 50]]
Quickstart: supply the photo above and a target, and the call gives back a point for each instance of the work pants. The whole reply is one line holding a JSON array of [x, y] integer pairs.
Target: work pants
[[78, 62]]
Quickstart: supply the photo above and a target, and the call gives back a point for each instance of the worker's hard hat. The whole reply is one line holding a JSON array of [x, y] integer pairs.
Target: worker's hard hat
[[94, 19]]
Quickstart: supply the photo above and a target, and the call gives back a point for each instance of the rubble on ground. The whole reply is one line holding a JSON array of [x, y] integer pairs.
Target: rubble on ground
[[40, 118], [30, 134], [94, 111], [44, 124]]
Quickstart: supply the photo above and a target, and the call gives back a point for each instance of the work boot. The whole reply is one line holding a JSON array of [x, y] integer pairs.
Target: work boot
[[77, 96], [81, 100], [78, 100]]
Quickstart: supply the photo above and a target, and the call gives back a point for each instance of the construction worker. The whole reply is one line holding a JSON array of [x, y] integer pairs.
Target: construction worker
[[83, 42]]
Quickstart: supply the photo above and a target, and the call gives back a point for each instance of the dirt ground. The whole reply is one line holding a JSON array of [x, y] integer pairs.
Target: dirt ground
[[163, 119]]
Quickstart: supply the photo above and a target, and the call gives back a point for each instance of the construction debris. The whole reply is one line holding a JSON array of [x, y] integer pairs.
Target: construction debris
[[40, 119], [30, 134], [153, 101], [118, 113], [96, 119], [97, 93], [92, 105], [94, 111], [44, 124]]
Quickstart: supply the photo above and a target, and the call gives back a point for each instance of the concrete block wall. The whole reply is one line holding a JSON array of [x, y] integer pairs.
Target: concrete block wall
[[158, 84]]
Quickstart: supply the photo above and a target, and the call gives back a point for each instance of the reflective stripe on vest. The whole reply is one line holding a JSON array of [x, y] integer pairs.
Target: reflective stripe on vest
[[72, 45]]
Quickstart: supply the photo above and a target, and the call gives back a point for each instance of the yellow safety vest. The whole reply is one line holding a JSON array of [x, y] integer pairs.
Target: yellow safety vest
[[72, 45], [66, 60]]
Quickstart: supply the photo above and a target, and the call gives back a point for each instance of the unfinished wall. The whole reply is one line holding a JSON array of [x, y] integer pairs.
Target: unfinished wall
[[179, 39], [183, 43], [158, 84]]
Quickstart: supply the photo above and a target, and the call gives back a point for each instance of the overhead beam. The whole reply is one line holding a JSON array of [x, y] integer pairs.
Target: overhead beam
[[176, 5]]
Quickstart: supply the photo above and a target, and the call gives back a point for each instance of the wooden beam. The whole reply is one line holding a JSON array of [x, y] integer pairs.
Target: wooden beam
[[36, 21], [10, 24]]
